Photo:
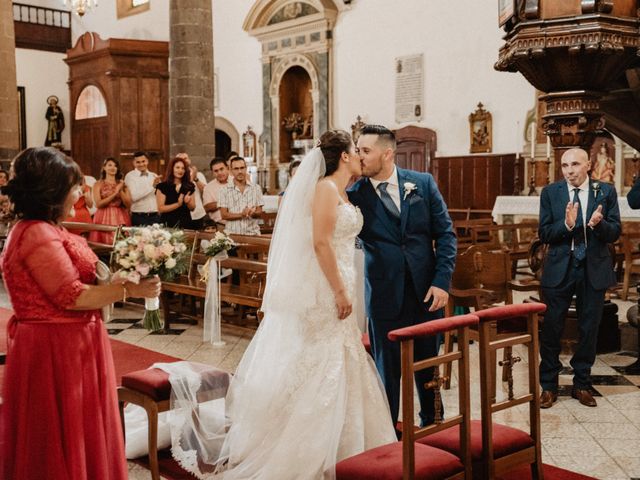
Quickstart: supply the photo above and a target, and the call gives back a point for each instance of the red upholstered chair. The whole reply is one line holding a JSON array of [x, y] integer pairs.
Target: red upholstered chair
[[407, 459], [496, 448], [151, 390]]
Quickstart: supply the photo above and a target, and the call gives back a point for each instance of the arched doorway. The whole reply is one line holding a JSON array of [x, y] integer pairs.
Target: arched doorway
[[296, 112], [223, 144]]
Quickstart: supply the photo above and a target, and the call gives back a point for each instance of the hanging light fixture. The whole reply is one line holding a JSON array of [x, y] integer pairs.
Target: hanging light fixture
[[81, 6]]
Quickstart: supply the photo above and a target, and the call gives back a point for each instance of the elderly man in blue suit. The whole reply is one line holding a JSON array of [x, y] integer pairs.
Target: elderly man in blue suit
[[410, 252], [578, 218]]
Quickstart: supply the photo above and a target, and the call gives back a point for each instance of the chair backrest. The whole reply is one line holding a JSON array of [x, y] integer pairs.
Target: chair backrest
[[488, 404], [493, 271], [406, 337]]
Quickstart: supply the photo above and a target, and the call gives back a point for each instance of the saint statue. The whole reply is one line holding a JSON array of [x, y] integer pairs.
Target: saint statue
[[55, 121]]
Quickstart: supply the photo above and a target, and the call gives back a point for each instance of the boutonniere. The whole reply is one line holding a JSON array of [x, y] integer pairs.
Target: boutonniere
[[408, 188], [596, 189]]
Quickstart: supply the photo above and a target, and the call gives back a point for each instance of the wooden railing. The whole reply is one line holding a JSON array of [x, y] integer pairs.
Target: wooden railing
[[41, 28]]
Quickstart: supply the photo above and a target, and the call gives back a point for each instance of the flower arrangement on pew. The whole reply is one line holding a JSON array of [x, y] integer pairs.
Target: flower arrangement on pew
[[216, 249], [149, 251]]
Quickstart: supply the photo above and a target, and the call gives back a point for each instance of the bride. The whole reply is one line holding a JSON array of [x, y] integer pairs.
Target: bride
[[306, 394]]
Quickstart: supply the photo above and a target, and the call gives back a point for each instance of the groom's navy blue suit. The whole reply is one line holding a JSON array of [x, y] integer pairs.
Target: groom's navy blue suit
[[403, 258]]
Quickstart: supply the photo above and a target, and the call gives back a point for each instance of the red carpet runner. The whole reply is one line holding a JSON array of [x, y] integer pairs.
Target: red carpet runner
[[128, 358]]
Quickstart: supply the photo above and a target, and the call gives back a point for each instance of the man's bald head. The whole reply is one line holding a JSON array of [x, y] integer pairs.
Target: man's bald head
[[575, 166]]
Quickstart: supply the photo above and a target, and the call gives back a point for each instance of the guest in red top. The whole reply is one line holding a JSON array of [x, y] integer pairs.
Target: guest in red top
[[80, 211], [59, 418], [113, 200]]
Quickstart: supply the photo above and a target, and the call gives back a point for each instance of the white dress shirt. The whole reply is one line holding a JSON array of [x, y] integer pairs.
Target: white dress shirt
[[198, 212], [393, 187], [583, 195], [143, 191]]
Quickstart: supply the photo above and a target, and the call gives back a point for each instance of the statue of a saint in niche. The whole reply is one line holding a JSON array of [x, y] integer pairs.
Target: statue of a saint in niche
[[55, 121]]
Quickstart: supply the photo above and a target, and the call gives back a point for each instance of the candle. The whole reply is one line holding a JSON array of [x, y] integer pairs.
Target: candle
[[533, 140], [264, 153], [518, 144], [548, 147]]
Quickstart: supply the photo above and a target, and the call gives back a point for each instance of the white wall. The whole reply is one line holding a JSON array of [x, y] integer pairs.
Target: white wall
[[237, 59], [43, 74], [460, 46]]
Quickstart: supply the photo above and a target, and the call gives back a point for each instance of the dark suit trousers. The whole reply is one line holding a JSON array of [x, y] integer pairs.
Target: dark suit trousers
[[387, 353], [589, 304]]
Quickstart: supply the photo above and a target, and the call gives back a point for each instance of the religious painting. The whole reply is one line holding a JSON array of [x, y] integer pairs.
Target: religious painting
[[506, 9], [291, 11], [22, 119], [480, 129], [603, 159]]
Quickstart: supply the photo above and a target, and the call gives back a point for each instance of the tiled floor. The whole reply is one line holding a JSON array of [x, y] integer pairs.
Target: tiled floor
[[603, 442]]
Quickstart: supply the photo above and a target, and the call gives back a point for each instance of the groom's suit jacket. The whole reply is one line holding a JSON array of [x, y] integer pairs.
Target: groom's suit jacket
[[391, 247], [552, 230]]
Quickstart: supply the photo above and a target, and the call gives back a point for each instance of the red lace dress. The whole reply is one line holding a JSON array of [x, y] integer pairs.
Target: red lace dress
[[113, 214], [59, 417]]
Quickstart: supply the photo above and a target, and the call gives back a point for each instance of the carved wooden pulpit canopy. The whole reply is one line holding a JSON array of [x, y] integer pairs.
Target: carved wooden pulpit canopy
[[584, 55]]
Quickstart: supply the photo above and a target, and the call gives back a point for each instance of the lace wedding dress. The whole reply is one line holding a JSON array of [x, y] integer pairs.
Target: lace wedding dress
[[306, 394]]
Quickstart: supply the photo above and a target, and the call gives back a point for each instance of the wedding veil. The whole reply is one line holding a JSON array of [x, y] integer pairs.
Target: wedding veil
[[292, 263]]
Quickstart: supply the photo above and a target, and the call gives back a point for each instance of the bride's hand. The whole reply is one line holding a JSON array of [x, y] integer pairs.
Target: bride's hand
[[343, 304]]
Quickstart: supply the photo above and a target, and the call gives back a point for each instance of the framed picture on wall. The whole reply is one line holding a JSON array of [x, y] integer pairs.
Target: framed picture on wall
[[506, 10], [22, 119]]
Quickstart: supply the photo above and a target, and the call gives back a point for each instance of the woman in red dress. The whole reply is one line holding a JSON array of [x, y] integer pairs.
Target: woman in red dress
[[113, 200], [59, 418]]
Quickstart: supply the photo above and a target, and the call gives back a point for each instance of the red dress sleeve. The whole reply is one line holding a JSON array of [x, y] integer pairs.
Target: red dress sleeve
[[49, 264]]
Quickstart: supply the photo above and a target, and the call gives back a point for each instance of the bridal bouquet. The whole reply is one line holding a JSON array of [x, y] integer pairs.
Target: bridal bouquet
[[149, 251]]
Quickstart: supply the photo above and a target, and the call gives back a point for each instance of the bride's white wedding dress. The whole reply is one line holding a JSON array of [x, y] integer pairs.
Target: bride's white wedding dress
[[306, 394]]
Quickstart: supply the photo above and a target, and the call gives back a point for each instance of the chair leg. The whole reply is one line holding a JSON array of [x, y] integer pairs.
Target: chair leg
[[625, 281], [152, 415], [537, 472], [506, 366], [448, 348]]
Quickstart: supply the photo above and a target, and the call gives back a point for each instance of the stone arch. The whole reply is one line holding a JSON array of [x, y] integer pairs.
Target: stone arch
[[263, 10], [227, 127]]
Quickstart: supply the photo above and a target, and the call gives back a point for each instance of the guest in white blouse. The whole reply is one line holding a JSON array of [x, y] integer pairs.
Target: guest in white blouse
[[142, 185]]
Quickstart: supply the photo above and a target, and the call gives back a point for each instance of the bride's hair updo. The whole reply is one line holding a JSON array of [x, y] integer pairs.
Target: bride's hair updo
[[332, 144]]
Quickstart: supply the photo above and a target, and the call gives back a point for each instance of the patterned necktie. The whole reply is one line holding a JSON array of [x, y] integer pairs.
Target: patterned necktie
[[387, 201], [579, 244]]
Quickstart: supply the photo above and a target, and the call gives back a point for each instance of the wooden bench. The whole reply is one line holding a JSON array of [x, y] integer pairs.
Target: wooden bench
[[248, 293]]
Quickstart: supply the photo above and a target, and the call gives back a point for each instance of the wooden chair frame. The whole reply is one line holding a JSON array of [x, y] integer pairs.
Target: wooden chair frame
[[488, 405], [411, 435]]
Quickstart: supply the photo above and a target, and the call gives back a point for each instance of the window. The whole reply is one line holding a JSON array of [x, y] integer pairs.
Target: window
[[131, 7], [90, 104]]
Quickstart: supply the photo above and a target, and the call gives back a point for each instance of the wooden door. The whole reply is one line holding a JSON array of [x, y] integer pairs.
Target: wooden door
[[91, 144], [416, 147]]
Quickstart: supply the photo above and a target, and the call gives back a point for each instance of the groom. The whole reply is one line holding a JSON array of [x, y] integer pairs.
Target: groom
[[410, 252]]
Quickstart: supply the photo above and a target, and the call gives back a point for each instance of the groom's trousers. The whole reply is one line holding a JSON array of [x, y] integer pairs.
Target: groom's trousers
[[387, 353]]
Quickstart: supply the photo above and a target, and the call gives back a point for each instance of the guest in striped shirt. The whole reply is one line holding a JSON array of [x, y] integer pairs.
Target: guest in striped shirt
[[241, 202]]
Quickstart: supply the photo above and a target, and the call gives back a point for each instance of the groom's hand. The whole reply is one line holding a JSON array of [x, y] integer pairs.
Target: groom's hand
[[440, 298]]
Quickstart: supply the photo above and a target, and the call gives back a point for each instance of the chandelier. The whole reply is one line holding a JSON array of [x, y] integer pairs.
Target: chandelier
[[81, 6]]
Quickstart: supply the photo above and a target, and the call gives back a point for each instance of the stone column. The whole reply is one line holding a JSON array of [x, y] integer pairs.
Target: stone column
[[191, 112], [9, 139]]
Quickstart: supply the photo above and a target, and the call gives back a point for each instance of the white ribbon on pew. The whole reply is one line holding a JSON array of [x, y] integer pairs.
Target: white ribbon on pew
[[212, 313]]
